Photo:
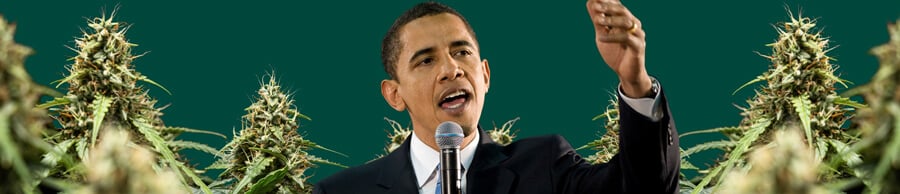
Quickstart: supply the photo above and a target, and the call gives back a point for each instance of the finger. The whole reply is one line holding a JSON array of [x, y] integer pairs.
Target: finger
[[614, 37], [598, 26], [618, 22], [609, 8], [637, 42], [631, 39]]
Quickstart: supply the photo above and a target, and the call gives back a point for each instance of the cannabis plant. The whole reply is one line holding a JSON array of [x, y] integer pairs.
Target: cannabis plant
[[502, 135], [785, 165], [118, 165], [608, 144], [21, 124], [879, 124], [397, 137], [269, 155], [104, 92], [800, 90]]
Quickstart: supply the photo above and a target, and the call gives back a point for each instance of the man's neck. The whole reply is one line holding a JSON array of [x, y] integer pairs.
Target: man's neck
[[427, 137]]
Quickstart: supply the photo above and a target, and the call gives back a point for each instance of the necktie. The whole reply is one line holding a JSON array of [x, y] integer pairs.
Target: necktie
[[436, 174], [437, 188]]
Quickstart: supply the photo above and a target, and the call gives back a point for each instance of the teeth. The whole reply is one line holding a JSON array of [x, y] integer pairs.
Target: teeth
[[453, 95], [456, 106]]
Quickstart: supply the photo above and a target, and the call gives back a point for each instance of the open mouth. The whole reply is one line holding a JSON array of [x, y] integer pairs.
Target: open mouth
[[454, 101]]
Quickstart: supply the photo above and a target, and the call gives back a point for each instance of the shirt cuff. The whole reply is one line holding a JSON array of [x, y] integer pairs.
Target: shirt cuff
[[648, 107]]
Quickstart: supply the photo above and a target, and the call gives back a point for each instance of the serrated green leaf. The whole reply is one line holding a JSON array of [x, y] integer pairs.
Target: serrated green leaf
[[219, 165], [189, 130], [721, 144], [847, 157], [687, 165], [297, 181], [195, 146], [700, 187], [254, 169], [831, 76], [11, 150], [220, 183], [802, 106], [324, 161], [713, 130], [81, 148], [55, 102], [840, 100], [148, 80], [757, 79], [821, 150], [101, 106], [159, 144], [66, 79], [592, 144], [55, 155], [48, 91], [268, 182], [317, 146], [278, 155], [608, 114], [734, 156], [891, 150], [301, 115]]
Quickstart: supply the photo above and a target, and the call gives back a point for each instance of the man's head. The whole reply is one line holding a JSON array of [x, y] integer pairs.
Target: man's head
[[436, 72]]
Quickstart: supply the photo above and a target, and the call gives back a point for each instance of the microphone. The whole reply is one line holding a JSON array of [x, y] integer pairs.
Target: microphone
[[449, 136]]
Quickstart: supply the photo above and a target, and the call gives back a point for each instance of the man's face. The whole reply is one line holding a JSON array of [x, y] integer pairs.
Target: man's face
[[440, 75]]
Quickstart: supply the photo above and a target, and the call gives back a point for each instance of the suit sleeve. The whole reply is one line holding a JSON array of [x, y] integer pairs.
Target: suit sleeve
[[318, 188], [648, 160]]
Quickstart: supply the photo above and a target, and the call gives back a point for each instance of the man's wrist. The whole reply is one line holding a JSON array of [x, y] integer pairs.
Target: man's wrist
[[639, 89]]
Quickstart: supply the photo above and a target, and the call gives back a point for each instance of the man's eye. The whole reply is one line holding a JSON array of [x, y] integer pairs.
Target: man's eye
[[426, 61], [463, 53]]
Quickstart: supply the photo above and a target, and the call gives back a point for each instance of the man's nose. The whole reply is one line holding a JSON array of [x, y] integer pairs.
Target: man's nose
[[451, 71]]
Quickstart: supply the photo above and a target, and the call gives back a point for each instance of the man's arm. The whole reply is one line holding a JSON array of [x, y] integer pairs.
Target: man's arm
[[620, 40], [649, 157], [648, 106]]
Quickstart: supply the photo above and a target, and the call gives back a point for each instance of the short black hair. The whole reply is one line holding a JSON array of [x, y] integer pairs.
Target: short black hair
[[391, 45]]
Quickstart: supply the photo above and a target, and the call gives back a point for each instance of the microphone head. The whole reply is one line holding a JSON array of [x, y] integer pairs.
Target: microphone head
[[449, 135]]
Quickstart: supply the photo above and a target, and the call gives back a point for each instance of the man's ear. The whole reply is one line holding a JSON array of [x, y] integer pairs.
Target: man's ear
[[487, 75], [390, 91]]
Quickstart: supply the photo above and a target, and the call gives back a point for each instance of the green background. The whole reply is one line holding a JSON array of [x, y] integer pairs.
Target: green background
[[545, 66]]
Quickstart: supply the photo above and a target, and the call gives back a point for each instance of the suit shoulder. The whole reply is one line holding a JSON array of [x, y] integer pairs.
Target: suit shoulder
[[553, 142]]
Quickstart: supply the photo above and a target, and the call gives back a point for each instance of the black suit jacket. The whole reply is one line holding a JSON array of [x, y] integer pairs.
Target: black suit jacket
[[648, 162]]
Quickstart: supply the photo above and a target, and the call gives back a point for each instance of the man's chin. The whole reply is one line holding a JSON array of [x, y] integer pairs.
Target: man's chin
[[469, 127]]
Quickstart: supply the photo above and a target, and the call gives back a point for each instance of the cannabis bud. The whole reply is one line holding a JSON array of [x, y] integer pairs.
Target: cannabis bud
[[269, 155]]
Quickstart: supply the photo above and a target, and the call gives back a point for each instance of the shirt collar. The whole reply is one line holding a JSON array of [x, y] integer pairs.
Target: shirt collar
[[424, 159]]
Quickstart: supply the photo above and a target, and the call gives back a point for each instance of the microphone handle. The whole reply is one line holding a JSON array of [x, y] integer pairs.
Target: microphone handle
[[451, 172]]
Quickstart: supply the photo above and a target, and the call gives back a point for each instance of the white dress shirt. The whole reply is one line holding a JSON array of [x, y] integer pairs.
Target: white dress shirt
[[649, 107], [425, 160]]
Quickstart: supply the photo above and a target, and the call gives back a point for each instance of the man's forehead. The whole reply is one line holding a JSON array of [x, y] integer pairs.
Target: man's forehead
[[433, 30]]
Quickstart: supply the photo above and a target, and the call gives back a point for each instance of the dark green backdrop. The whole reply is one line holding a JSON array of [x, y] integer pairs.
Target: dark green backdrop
[[545, 66]]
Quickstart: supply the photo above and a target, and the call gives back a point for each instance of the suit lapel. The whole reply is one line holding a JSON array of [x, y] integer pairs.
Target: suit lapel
[[486, 175], [397, 174]]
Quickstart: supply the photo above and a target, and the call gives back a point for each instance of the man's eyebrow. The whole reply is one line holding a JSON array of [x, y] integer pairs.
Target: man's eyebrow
[[461, 43], [457, 43], [421, 52]]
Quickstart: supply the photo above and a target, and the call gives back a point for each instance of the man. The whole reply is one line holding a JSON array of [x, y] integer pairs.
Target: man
[[437, 75]]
